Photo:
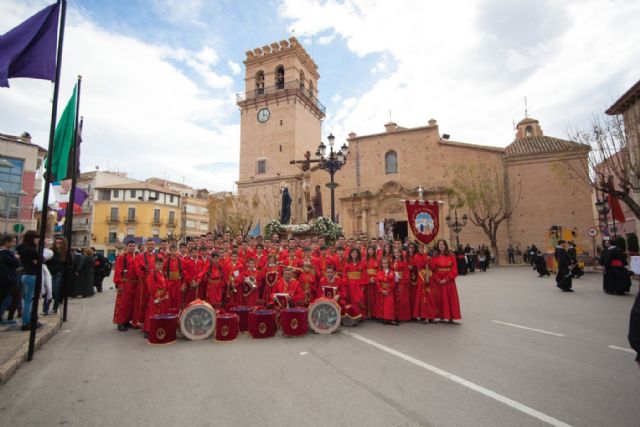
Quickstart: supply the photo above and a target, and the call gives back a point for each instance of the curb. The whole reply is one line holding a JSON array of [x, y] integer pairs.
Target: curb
[[9, 367]]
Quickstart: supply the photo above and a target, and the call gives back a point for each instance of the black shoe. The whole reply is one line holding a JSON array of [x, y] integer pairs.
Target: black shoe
[[122, 327], [432, 321]]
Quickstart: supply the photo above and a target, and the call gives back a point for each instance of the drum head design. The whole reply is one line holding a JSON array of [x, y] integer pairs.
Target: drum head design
[[324, 316], [198, 321]]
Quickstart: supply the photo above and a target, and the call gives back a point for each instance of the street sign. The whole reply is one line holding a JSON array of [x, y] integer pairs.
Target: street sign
[[593, 232], [18, 228]]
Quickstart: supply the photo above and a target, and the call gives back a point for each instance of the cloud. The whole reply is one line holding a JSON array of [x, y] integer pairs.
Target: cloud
[[470, 67], [180, 12], [325, 40], [234, 66], [143, 113]]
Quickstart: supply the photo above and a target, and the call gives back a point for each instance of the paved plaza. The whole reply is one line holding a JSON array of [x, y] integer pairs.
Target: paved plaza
[[524, 354]]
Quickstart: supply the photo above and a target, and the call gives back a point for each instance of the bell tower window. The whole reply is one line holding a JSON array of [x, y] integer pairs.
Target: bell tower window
[[528, 131], [280, 77], [391, 162], [301, 81], [260, 82]]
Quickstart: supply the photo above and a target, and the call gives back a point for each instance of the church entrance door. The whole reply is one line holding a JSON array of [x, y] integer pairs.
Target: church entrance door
[[401, 230]]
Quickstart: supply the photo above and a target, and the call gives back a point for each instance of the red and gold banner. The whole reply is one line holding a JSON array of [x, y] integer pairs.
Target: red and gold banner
[[423, 218]]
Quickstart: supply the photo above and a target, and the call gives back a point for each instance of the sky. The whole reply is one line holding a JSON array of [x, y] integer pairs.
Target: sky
[[160, 77]]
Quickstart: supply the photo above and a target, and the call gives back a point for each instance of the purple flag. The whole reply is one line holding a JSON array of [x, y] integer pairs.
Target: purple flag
[[29, 50]]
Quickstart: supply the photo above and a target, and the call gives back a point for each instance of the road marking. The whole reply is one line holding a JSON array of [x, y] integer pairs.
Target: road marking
[[615, 347], [466, 383], [528, 328]]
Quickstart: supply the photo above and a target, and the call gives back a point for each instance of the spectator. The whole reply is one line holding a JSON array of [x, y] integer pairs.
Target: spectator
[[511, 253], [83, 273], [634, 328], [100, 267], [9, 289], [28, 253], [57, 266]]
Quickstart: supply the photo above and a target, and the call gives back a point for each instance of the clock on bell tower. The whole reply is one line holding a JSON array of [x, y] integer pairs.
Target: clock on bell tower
[[280, 118]]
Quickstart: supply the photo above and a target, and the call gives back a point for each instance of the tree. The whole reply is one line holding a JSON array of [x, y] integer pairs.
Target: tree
[[613, 165], [485, 189], [233, 214]]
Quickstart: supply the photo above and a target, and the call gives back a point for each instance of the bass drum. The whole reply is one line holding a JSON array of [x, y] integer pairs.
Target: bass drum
[[198, 320], [324, 316]]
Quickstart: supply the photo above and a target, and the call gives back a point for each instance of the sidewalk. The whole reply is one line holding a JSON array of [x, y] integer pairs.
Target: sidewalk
[[14, 343]]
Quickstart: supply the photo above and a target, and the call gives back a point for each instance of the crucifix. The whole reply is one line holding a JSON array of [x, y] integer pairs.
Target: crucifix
[[305, 165]]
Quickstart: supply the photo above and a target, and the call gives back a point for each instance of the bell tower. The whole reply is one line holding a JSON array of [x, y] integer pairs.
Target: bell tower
[[280, 118]]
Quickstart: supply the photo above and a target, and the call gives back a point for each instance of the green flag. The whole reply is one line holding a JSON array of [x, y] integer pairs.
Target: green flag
[[63, 139]]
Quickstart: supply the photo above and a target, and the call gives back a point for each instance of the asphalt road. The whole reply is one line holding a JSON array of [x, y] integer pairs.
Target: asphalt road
[[483, 372]]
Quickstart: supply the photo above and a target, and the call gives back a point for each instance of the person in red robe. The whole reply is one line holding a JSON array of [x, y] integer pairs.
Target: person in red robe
[[233, 277], [262, 256], [308, 283], [250, 284], [192, 266], [416, 263], [403, 301], [211, 278], [350, 312], [125, 279], [322, 261], [174, 272], [424, 308], [355, 274], [444, 271], [385, 300], [289, 286], [270, 275], [371, 262], [145, 264], [158, 298]]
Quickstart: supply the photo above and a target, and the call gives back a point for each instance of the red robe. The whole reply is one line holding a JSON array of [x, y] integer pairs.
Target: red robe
[[158, 299], [292, 288], [145, 263], [417, 262], [356, 278], [403, 300], [347, 306], [126, 280], [211, 278], [444, 268], [385, 301], [233, 280], [250, 300], [425, 303], [271, 275], [309, 286], [371, 289], [174, 272]]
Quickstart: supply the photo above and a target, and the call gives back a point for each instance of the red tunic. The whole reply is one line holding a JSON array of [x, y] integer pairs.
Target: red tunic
[[403, 299], [158, 299], [371, 289], [417, 262], [292, 288], [126, 281], [309, 286], [251, 299], [356, 277], [444, 269], [270, 276], [174, 272], [211, 278], [233, 280], [385, 301], [425, 303], [191, 272], [145, 263]]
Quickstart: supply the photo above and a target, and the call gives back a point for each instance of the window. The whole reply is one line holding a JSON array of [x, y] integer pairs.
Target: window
[[280, 77], [153, 195], [131, 214], [113, 237], [528, 131], [114, 214], [260, 82], [156, 216], [190, 209], [116, 194], [132, 193], [311, 89], [11, 182], [261, 166], [391, 162], [190, 223], [171, 199], [172, 218], [204, 226], [301, 81], [131, 231], [155, 232]]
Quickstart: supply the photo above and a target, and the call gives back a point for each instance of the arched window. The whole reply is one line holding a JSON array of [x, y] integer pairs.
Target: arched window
[[301, 80], [280, 77], [391, 162], [528, 131], [260, 82]]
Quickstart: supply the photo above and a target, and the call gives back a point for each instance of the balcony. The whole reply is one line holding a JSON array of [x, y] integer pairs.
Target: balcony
[[129, 219], [291, 87], [81, 227], [113, 220], [156, 221], [171, 223]]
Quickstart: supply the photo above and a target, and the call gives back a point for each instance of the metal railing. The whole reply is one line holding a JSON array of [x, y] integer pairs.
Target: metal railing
[[156, 221], [129, 219], [112, 220], [275, 89]]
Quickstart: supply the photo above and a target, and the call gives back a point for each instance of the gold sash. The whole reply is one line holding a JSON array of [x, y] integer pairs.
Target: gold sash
[[354, 275], [174, 275]]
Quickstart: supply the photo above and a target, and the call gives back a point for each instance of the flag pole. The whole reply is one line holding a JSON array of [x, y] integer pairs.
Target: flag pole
[[47, 182], [68, 222]]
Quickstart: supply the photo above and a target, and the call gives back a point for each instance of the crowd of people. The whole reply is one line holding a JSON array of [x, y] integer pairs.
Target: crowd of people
[[372, 279], [74, 274]]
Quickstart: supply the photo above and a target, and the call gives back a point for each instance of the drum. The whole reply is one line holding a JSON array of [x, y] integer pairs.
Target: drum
[[162, 328], [324, 316], [243, 316], [329, 291], [262, 324], [227, 327], [198, 320], [294, 321]]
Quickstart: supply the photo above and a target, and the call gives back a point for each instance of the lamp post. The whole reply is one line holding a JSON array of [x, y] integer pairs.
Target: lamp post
[[455, 225], [332, 163], [602, 206]]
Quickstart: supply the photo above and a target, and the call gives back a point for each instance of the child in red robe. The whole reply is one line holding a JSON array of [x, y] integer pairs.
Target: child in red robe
[[158, 295], [385, 300]]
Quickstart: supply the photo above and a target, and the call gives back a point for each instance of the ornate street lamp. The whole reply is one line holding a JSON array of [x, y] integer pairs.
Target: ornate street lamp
[[332, 163], [455, 225], [602, 206]]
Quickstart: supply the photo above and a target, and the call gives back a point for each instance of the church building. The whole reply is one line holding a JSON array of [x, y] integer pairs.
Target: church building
[[280, 122]]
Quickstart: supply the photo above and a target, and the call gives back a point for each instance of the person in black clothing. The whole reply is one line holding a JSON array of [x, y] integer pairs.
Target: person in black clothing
[[616, 278], [28, 253], [563, 278], [461, 260], [634, 328], [511, 254], [576, 271], [541, 265], [99, 270], [57, 267], [9, 289]]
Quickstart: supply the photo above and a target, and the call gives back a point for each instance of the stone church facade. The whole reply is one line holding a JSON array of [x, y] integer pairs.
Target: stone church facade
[[385, 168]]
